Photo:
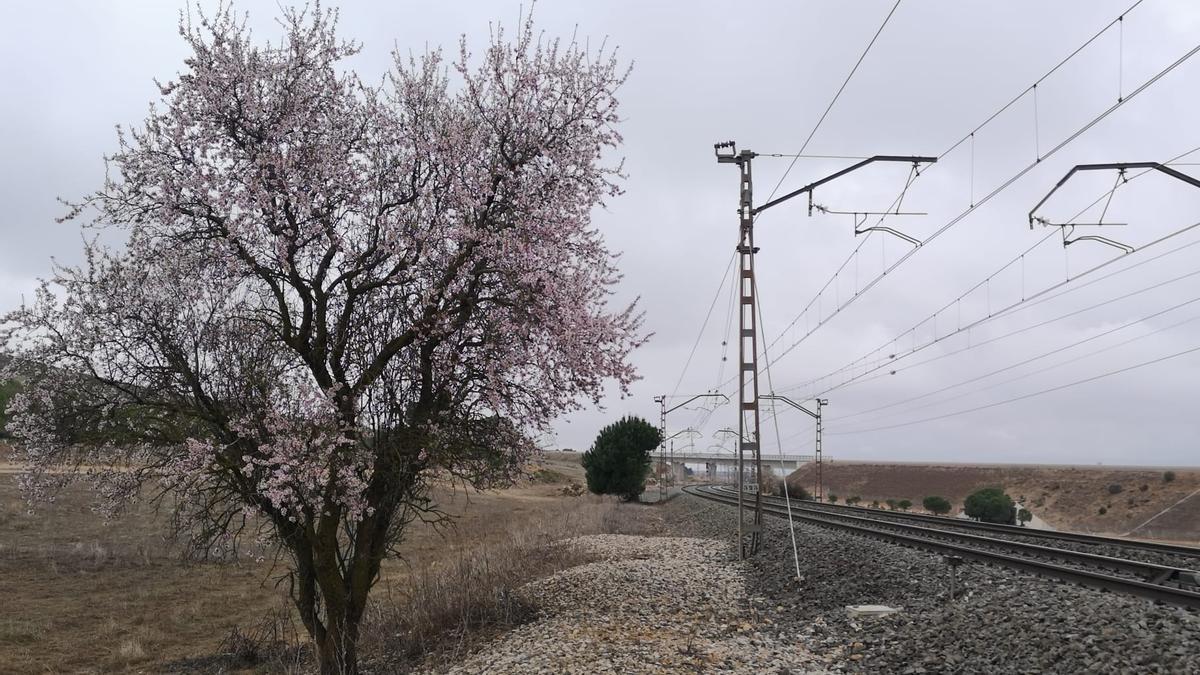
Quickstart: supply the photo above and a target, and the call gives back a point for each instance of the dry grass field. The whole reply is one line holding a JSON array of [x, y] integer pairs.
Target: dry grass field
[[1068, 498], [84, 595]]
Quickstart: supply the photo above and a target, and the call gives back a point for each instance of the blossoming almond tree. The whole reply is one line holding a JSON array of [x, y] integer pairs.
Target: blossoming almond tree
[[329, 291]]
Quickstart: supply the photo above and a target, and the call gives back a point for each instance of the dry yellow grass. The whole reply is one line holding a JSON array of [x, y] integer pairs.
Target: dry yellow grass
[[83, 595]]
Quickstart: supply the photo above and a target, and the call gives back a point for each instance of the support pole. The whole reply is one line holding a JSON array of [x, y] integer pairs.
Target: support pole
[[749, 458], [662, 435], [819, 488], [671, 470], [749, 438], [663, 411]]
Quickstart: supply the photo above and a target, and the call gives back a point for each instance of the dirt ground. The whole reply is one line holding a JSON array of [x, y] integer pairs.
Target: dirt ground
[[1067, 498], [84, 595]]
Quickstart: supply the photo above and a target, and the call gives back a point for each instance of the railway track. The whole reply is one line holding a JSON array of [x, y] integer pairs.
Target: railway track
[[996, 528], [1163, 583]]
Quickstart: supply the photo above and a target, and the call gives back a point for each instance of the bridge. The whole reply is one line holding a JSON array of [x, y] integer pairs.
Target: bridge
[[712, 461]]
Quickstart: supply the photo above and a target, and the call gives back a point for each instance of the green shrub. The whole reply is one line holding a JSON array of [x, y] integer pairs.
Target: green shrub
[[619, 459], [1103, 510], [1168, 476], [832, 499], [854, 500], [938, 505], [891, 504], [991, 505], [1114, 488], [1024, 516], [904, 504]]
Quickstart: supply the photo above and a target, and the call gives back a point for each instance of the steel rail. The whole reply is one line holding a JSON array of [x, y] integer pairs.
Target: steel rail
[[1146, 589], [1147, 570], [1077, 537]]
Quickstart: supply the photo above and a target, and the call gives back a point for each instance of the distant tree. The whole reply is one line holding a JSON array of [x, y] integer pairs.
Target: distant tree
[[1168, 476], [904, 504], [938, 505], [991, 505], [853, 500], [770, 484], [891, 504], [619, 459], [1024, 516], [798, 492], [795, 489], [832, 499]]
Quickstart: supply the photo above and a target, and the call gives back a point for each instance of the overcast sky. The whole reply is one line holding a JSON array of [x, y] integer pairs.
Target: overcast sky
[[761, 74]]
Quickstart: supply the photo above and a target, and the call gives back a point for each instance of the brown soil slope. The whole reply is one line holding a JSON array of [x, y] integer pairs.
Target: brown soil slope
[[1067, 498]]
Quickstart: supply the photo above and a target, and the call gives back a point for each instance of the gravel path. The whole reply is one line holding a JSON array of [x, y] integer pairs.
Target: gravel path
[[1006, 622], [647, 605]]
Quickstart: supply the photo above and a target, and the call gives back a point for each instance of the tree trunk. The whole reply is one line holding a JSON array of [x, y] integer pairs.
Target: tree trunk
[[332, 597], [342, 602], [337, 654]]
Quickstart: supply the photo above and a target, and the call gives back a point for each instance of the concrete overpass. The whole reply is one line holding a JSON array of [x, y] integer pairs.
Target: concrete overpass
[[713, 461]]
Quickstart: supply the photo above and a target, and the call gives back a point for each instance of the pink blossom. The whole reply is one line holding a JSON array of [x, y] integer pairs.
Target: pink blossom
[[331, 290]]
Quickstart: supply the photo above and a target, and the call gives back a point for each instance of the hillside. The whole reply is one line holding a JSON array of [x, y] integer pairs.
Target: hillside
[[1067, 498]]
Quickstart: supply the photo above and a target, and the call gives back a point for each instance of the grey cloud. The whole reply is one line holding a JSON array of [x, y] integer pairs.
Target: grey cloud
[[761, 73]]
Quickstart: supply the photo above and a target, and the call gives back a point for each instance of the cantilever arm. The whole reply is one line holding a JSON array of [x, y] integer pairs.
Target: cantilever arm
[[712, 395], [891, 231], [1120, 166], [682, 432], [1103, 240], [797, 406], [727, 430], [811, 186]]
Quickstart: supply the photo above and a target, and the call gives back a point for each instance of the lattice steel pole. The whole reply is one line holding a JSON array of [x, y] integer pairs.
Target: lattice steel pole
[[748, 398], [662, 435], [819, 491], [749, 533]]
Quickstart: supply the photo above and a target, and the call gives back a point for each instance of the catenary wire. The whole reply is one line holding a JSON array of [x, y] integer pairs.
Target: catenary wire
[[1003, 186], [1027, 361], [704, 324], [955, 145], [1023, 397], [885, 362], [1026, 301], [834, 100]]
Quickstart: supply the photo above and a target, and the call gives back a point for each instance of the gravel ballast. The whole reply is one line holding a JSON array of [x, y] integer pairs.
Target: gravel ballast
[[1005, 621], [685, 604], [646, 605]]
